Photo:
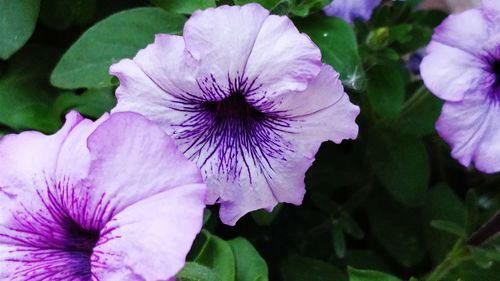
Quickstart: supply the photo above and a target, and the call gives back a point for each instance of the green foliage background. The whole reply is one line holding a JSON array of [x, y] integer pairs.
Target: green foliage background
[[390, 206]]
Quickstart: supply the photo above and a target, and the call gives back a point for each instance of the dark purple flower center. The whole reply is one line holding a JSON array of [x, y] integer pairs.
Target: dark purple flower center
[[232, 129], [235, 108], [79, 239], [496, 71]]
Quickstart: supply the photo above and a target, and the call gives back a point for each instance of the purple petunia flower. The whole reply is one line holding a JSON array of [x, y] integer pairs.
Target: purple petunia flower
[[350, 10], [245, 96], [107, 200], [463, 68]]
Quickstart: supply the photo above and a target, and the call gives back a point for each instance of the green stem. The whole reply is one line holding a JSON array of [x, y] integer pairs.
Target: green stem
[[458, 254]]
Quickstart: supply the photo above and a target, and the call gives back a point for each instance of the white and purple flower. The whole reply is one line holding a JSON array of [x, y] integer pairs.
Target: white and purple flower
[[245, 96], [350, 10], [463, 68], [107, 200]]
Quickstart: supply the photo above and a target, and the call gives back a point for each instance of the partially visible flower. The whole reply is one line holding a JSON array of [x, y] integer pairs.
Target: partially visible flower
[[107, 200], [246, 97], [463, 68], [350, 10]]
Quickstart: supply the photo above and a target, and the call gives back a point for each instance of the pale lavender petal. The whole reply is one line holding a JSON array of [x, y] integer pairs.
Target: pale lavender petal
[[471, 128], [350, 10], [281, 179], [132, 159], [62, 195], [463, 68], [450, 73], [211, 38], [455, 33], [150, 239]]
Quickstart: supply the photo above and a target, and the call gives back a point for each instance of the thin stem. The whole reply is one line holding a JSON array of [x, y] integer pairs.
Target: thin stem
[[458, 254], [486, 232]]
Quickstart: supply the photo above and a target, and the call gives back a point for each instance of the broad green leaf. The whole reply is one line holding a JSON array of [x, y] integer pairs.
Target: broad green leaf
[[183, 6], [386, 89], [250, 266], [395, 228], [472, 214], [306, 269], [337, 42], [420, 113], [62, 14], [217, 255], [441, 203], [401, 164], [369, 275], [196, 272], [92, 103], [26, 98], [17, 23], [268, 4], [303, 8], [86, 63]]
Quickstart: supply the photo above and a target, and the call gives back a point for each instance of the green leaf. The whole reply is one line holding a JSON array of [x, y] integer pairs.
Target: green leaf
[[492, 254], [441, 203], [92, 103], [369, 275], [196, 272], [268, 4], [86, 63], [350, 226], [401, 164], [303, 8], [420, 113], [386, 89], [17, 23], [217, 255], [469, 271], [337, 42], [481, 258], [393, 225], [265, 218], [250, 266], [338, 239], [62, 14], [306, 269], [449, 227], [26, 99], [183, 6], [472, 214]]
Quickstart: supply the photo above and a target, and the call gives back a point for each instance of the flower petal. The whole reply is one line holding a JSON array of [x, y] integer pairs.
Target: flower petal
[[349, 10], [282, 58], [132, 159], [222, 38], [138, 93], [150, 239], [451, 73], [453, 32], [474, 139], [20, 263], [322, 112]]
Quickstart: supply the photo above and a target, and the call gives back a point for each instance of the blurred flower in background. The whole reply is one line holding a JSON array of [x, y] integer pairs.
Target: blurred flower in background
[[463, 68], [350, 10]]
